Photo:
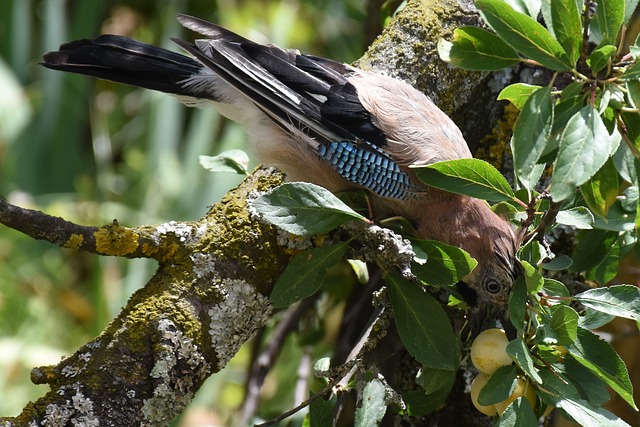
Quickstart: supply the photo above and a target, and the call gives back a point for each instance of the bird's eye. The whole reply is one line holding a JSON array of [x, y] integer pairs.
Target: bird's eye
[[492, 287]]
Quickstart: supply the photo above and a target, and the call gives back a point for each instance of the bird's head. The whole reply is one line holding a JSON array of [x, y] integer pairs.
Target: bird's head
[[497, 269]]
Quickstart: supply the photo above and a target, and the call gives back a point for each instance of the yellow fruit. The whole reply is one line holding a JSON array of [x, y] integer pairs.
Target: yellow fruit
[[523, 388], [476, 386], [488, 351]]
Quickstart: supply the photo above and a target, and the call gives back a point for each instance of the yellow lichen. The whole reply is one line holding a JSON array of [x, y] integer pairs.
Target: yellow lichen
[[74, 242], [495, 146], [115, 240]]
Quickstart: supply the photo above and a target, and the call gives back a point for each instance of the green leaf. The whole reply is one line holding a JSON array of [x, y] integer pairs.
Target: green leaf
[[564, 323], [471, 177], [236, 161], [591, 248], [304, 209], [445, 264], [633, 89], [558, 391], [520, 353], [601, 191], [601, 359], [532, 278], [305, 272], [373, 405], [524, 34], [423, 325], [437, 384], [618, 219], [579, 217], [592, 319], [499, 386], [561, 262], [619, 300], [564, 22], [518, 304], [599, 58], [624, 161], [474, 48], [632, 72], [321, 411], [584, 148], [529, 7], [518, 414], [607, 269], [517, 93], [607, 21], [591, 387], [562, 112], [555, 288], [530, 133]]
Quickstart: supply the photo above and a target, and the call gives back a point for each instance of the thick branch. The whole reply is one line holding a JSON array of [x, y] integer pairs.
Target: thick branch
[[203, 302]]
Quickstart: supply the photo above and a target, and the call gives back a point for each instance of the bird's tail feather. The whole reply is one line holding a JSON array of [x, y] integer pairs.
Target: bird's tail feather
[[124, 60]]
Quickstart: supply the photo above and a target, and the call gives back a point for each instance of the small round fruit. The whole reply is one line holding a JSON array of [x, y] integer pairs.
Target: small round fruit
[[476, 386], [489, 351], [523, 388]]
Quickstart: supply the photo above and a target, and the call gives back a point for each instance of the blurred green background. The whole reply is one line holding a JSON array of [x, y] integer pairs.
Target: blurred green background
[[91, 151]]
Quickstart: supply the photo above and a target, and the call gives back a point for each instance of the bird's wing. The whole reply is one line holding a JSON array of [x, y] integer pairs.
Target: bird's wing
[[309, 97]]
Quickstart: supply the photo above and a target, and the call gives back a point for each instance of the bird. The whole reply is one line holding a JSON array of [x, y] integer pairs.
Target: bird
[[320, 121]]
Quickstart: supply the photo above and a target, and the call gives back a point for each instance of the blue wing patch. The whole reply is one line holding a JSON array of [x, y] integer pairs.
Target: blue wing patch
[[366, 164]]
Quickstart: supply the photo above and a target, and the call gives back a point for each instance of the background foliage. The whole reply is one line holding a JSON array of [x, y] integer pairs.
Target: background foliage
[[91, 151]]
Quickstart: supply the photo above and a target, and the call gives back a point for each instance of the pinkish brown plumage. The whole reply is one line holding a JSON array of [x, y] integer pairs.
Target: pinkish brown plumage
[[323, 122]]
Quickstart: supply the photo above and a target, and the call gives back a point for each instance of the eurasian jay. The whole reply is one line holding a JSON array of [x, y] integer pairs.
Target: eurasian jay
[[320, 121]]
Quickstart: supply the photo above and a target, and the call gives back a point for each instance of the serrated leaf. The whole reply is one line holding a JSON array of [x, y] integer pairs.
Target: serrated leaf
[[564, 322], [607, 21], [520, 353], [518, 414], [517, 93], [304, 209], [601, 191], [474, 48], [304, 274], [584, 148], [373, 405], [518, 304], [423, 325], [619, 300], [444, 265], [599, 58], [530, 134], [499, 386], [601, 359], [579, 217], [236, 161], [524, 34], [471, 177]]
